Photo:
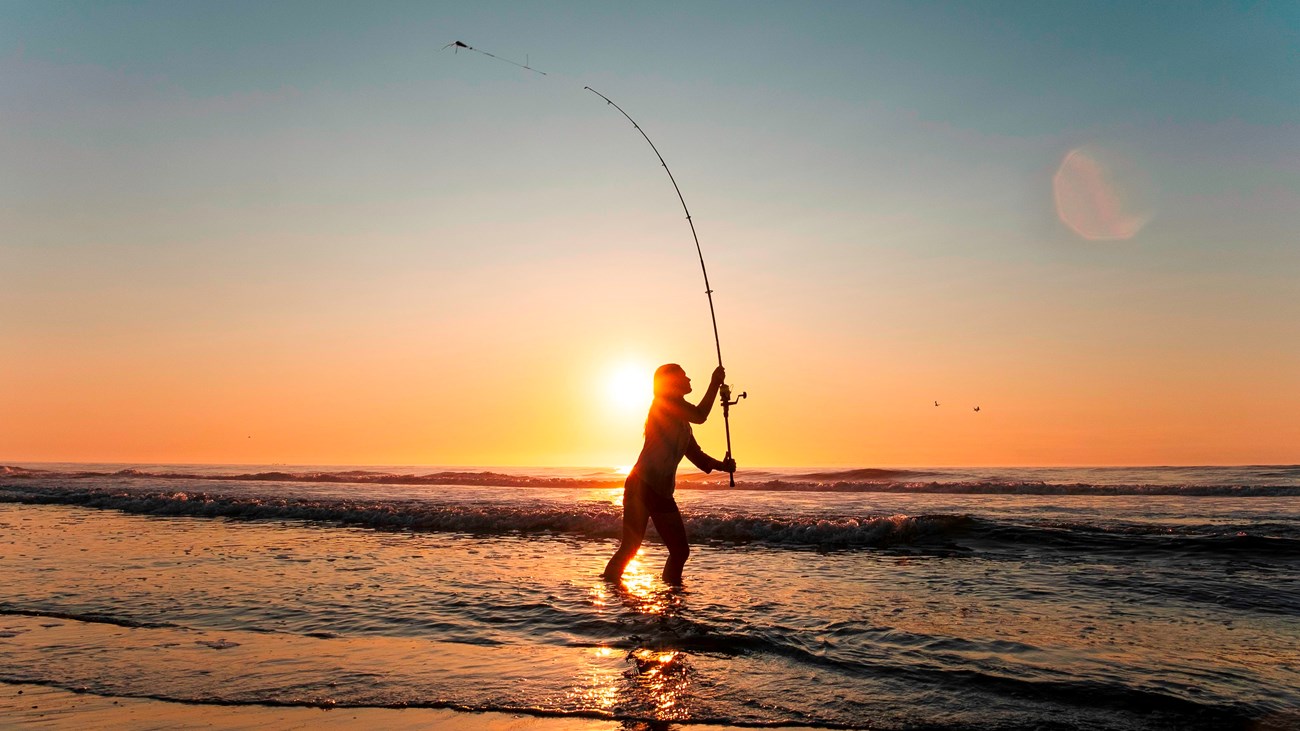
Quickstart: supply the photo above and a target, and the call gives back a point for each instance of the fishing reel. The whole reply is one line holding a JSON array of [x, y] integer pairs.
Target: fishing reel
[[727, 403], [726, 396]]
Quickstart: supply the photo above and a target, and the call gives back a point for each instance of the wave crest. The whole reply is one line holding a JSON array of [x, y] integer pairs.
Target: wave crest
[[856, 480], [585, 520], [598, 521]]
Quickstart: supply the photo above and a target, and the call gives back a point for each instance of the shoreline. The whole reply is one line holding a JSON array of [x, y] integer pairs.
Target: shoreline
[[28, 705]]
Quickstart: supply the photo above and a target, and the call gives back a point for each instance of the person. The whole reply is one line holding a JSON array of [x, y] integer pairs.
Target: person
[[648, 491]]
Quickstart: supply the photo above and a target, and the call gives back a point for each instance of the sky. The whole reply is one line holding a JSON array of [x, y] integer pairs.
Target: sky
[[299, 232]]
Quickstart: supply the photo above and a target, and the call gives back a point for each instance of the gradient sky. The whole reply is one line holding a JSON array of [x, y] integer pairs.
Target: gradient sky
[[255, 232]]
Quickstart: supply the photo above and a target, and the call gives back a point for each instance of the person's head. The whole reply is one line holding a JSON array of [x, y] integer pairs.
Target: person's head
[[671, 381]]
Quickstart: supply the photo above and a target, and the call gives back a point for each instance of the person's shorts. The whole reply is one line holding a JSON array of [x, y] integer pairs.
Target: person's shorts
[[654, 502]]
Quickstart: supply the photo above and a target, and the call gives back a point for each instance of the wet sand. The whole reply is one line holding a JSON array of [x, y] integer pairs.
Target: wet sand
[[35, 706]]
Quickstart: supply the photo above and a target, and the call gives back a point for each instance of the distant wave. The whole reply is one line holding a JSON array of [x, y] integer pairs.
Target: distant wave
[[1037, 488], [595, 521], [498, 479], [1282, 471], [856, 480], [862, 475]]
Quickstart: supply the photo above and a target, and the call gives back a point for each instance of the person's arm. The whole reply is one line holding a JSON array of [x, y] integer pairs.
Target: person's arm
[[704, 461], [696, 414]]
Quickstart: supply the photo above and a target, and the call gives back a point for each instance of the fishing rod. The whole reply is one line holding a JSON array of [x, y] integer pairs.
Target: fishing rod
[[724, 389]]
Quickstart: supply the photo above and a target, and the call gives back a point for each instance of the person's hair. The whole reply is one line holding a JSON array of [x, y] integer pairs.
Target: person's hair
[[665, 376]]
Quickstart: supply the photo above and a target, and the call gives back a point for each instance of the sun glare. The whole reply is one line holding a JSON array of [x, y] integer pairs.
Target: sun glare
[[630, 388]]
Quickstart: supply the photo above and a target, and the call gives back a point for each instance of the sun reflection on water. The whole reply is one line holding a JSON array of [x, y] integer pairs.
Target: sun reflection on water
[[598, 596], [661, 679], [653, 678], [600, 686], [655, 685], [643, 593]]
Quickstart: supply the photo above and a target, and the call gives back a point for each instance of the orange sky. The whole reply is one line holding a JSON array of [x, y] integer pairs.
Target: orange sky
[[359, 252]]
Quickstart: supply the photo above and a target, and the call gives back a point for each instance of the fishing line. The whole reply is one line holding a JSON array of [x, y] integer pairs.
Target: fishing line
[[725, 389], [455, 47]]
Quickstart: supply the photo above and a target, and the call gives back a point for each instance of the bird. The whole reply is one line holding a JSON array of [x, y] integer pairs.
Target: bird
[[936, 403], [977, 408]]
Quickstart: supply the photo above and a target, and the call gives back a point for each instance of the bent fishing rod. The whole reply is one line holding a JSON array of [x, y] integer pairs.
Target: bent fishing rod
[[724, 389]]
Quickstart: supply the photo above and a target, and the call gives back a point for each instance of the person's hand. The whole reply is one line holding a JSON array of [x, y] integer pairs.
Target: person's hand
[[719, 375], [728, 465]]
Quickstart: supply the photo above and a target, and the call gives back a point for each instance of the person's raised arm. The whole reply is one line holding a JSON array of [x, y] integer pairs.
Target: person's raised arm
[[696, 414], [699, 413]]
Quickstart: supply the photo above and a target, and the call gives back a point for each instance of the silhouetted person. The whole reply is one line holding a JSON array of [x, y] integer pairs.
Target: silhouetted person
[[648, 491]]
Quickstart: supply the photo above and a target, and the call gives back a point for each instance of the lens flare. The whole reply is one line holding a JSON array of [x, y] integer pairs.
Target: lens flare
[[1099, 195]]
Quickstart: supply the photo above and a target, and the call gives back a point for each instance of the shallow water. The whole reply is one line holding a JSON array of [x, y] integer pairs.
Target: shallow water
[[872, 610]]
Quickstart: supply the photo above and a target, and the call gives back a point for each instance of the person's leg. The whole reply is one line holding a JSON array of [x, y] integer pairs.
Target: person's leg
[[673, 531], [635, 517]]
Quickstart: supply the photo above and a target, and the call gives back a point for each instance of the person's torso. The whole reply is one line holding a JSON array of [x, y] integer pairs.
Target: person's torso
[[667, 437]]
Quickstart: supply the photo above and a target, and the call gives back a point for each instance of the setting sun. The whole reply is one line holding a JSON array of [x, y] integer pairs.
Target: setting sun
[[630, 388]]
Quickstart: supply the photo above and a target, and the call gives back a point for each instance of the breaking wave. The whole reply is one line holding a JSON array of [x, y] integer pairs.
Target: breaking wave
[[586, 520], [597, 521], [856, 480]]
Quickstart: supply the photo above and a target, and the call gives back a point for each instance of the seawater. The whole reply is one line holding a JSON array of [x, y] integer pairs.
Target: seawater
[[1035, 598]]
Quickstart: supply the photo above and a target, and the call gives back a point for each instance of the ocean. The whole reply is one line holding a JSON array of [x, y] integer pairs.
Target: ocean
[[1097, 598]]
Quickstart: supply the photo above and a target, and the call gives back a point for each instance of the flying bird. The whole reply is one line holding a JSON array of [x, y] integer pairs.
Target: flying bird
[[936, 403], [977, 408]]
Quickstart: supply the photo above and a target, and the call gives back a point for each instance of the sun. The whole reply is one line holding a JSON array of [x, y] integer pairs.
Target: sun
[[630, 388]]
